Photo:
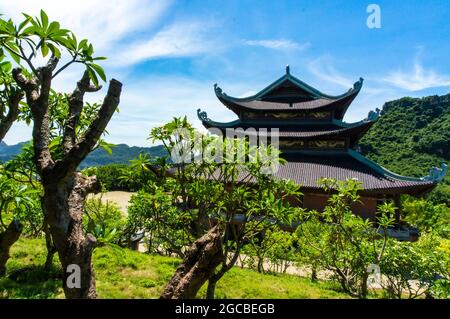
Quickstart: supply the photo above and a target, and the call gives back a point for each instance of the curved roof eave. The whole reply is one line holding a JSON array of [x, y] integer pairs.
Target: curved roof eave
[[435, 176], [203, 117], [288, 77]]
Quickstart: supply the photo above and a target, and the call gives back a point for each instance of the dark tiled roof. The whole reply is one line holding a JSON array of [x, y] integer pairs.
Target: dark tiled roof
[[305, 131], [307, 170], [266, 105], [338, 104]]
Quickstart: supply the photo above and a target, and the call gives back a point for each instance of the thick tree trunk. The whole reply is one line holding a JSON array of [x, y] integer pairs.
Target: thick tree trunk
[[65, 190], [64, 208], [198, 266], [7, 239]]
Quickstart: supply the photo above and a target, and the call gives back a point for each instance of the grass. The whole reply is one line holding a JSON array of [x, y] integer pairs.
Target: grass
[[122, 273]]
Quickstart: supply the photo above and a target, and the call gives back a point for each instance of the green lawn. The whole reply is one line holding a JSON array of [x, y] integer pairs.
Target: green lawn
[[123, 273]]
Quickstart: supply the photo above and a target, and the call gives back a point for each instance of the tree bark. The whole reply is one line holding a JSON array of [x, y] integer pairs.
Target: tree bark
[[198, 266], [211, 290], [214, 279], [51, 249], [314, 274], [7, 239], [64, 208], [6, 120]]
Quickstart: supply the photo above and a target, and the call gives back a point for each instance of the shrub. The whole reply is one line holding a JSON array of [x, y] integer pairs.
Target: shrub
[[412, 270], [109, 176], [341, 242], [104, 220], [427, 216], [165, 227]]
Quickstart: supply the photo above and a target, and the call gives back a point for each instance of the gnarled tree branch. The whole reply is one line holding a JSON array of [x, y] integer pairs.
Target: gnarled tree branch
[[75, 109], [80, 150], [12, 115]]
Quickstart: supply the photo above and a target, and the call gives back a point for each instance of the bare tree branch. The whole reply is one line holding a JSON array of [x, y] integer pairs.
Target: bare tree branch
[[80, 150], [75, 109], [37, 98], [12, 115]]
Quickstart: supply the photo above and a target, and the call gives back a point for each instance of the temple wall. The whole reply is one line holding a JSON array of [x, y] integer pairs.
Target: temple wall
[[365, 209]]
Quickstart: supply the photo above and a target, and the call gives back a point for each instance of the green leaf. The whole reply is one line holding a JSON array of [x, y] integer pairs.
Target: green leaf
[[92, 74], [106, 146], [90, 50], [44, 19], [99, 70], [82, 45], [44, 49], [14, 55], [6, 66], [53, 27], [55, 51], [30, 30], [24, 23]]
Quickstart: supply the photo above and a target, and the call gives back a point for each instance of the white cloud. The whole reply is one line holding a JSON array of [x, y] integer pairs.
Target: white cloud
[[324, 70], [417, 78], [154, 100], [102, 22], [278, 44], [177, 40], [372, 95]]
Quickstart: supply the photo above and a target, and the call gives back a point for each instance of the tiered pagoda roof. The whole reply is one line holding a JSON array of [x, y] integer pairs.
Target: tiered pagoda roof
[[313, 138], [292, 95]]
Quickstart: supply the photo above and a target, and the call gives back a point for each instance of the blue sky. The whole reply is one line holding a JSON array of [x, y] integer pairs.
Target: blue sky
[[168, 54]]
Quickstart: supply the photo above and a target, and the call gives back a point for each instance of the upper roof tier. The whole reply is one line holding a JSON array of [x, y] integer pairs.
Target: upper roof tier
[[291, 94]]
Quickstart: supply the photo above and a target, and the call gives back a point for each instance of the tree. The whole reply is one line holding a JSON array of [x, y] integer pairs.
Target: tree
[[274, 246], [341, 242], [65, 189], [221, 193]]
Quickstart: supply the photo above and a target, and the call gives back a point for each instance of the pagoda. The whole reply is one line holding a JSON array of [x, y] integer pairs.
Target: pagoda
[[316, 142]]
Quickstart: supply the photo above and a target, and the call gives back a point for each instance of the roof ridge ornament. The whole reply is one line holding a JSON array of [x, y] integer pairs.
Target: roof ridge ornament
[[218, 90], [288, 70], [358, 84], [203, 116], [436, 174]]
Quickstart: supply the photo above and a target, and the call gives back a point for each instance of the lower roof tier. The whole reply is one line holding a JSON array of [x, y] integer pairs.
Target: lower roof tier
[[307, 169]]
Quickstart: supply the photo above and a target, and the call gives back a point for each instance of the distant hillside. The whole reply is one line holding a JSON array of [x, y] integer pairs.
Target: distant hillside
[[411, 136], [122, 154], [7, 152]]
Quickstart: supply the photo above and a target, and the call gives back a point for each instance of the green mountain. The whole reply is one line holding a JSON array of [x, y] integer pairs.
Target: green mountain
[[411, 136], [121, 154], [7, 152]]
